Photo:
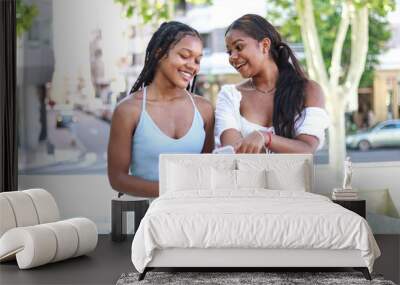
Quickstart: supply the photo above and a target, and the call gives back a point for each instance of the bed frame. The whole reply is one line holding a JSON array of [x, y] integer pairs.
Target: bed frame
[[246, 258]]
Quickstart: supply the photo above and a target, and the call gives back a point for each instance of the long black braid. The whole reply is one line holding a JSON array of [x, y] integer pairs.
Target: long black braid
[[289, 99], [166, 36]]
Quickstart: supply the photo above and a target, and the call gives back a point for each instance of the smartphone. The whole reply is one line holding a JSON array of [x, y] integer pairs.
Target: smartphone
[[228, 149]]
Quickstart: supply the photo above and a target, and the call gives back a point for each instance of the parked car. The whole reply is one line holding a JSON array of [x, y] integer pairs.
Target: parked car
[[65, 118], [384, 134]]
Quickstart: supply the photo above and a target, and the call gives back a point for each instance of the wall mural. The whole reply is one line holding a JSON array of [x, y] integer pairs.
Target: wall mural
[[382, 211]]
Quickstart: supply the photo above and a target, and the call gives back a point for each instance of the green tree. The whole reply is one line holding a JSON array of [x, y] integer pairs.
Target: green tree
[[25, 14], [155, 10], [337, 36], [327, 18], [379, 31]]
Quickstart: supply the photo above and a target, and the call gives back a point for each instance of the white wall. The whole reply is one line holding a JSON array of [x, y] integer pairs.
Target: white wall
[[90, 195], [77, 195], [366, 176]]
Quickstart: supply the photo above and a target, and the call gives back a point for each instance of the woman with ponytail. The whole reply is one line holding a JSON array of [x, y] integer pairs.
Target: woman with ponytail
[[276, 109], [160, 115]]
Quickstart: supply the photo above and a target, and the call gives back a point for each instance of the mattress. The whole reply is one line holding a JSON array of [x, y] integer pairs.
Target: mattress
[[250, 219]]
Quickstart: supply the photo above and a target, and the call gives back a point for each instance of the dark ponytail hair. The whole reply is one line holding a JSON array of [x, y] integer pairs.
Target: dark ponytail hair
[[289, 99], [166, 36]]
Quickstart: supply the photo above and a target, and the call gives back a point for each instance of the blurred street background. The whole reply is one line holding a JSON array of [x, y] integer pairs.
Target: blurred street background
[[77, 58]]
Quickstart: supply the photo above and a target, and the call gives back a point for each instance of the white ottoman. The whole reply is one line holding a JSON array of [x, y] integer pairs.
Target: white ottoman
[[31, 233]]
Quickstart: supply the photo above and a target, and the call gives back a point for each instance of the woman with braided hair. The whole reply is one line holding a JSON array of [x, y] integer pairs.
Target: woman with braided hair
[[276, 109], [160, 115]]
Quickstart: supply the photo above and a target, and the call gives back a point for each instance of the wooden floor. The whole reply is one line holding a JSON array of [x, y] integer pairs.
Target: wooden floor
[[103, 266], [111, 259]]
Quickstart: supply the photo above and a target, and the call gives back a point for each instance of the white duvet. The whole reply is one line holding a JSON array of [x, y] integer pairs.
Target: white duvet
[[252, 218]]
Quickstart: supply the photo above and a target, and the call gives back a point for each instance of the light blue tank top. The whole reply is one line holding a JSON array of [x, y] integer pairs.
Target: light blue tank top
[[149, 142]]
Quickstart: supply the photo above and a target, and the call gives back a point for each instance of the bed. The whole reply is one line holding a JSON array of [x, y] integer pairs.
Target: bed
[[247, 211]]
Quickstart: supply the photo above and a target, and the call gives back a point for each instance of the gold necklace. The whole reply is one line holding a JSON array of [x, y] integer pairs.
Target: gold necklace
[[261, 91]]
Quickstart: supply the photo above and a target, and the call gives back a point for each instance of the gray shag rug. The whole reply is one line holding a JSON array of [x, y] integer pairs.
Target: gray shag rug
[[242, 278]]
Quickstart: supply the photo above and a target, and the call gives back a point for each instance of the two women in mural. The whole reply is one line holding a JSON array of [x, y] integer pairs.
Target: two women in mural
[[275, 109]]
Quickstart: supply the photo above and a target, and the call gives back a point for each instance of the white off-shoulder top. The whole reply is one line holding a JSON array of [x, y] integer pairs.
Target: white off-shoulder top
[[313, 121]]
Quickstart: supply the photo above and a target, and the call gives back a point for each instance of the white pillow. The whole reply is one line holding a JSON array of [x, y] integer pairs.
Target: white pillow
[[183, 177], [251, 178], [293, 180], [223, 179], [282, 174], [226, 179]]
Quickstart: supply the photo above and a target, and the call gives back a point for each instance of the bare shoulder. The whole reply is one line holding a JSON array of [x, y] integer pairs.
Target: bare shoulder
[[204, 105], [314, 95], [128, 109]]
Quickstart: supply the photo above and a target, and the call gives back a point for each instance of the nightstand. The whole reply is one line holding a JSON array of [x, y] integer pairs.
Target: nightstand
[[357, 206], [119, 207]]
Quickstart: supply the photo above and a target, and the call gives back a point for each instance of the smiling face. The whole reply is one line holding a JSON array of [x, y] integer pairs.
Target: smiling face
[[182, 61], [247, 55]]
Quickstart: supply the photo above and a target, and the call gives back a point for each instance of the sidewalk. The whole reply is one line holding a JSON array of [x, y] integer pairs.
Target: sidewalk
[[45, 155]]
